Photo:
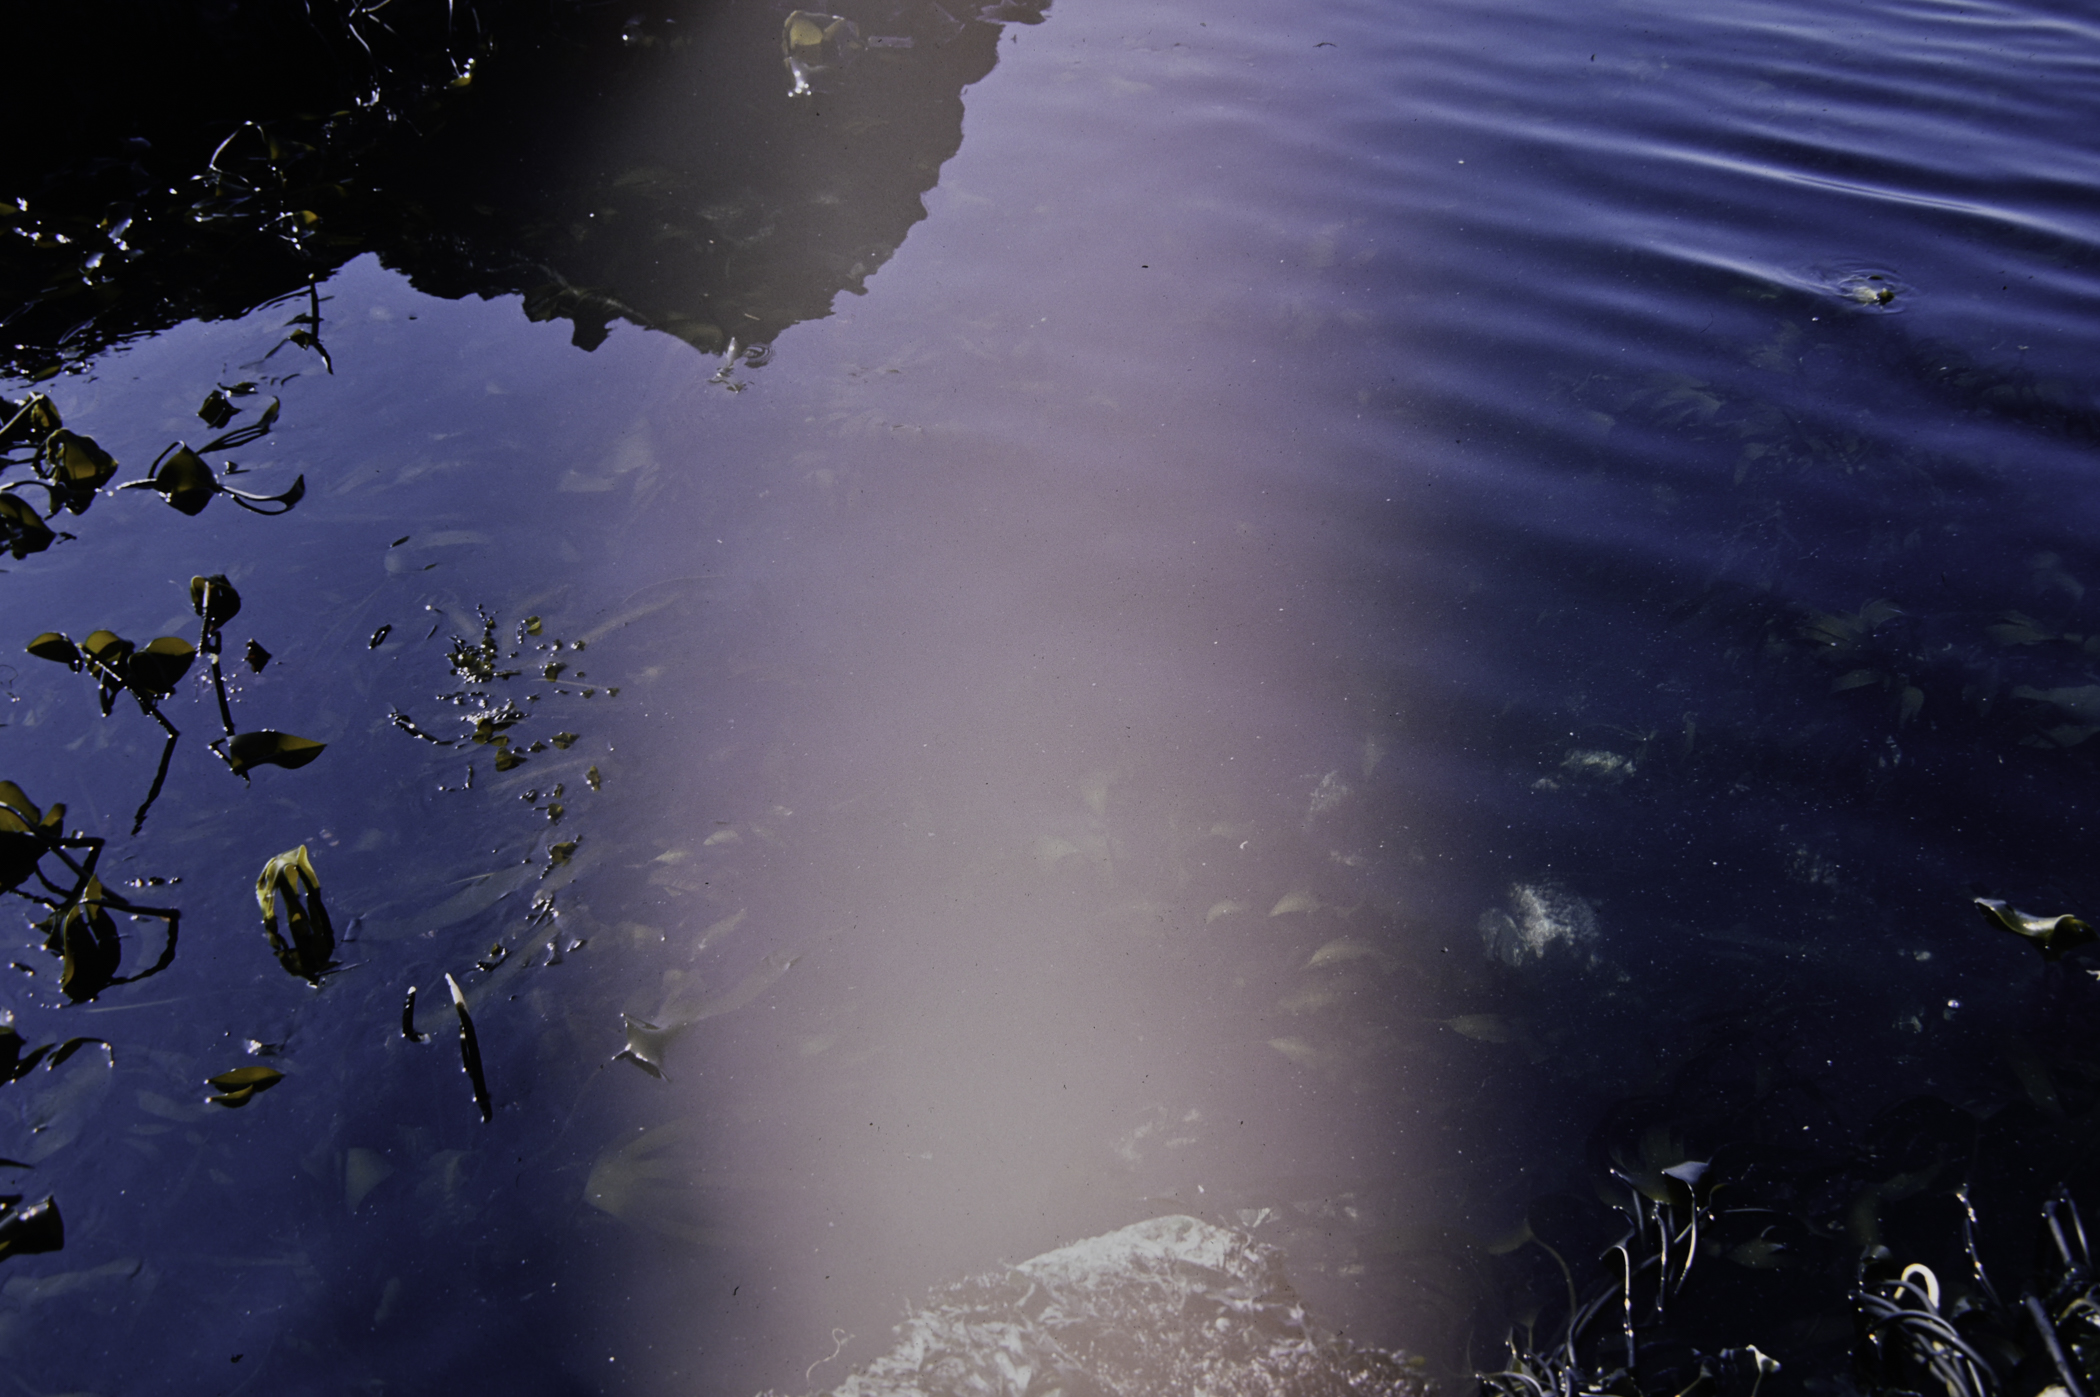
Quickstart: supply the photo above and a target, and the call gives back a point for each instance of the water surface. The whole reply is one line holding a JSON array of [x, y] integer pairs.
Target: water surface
[[1367, 582]]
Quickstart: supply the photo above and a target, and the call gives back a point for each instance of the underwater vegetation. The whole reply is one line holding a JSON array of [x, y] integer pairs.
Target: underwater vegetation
[[1733, 1233]]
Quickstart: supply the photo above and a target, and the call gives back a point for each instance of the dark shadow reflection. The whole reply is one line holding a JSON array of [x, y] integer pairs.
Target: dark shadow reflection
[[719, 171]]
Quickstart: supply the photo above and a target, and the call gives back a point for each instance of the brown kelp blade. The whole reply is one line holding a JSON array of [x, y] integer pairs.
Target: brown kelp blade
[[238, 1087], [306, 947], [470, 1050], [2052, 936]]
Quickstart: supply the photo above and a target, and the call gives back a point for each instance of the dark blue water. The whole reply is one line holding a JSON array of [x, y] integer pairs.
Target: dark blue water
[[1368, 582]]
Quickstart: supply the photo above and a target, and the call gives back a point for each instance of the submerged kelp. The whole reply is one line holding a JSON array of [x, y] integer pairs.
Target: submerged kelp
[[1734, 1231]]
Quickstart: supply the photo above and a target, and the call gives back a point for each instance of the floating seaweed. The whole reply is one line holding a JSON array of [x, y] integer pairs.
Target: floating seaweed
[[306, 947]]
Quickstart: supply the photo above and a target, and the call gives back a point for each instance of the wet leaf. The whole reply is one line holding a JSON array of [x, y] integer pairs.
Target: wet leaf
[[561, 853], [2052, 936], [18, 812], [507, 760], [108, 659], [34, 417], [216, 411], [307, 946], [22, 530], [56, 648], [563, 740], [240, 1086], [245, 1077], [25, 834], [249, 750], [25, 1231], [155, 671], [78, 468], [257, 657], [470, 1050], [379, 637], [214, 599], [182, 478], [85, 937], [307, 339], [593, 778]]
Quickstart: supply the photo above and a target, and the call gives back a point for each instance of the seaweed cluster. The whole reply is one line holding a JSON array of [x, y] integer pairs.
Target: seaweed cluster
[[1735, 1235]]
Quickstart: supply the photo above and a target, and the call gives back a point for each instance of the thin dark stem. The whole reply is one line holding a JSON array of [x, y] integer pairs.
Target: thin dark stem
[[152, 710], [2054, 1345], [211, 643], [160, 778], [218, 684]]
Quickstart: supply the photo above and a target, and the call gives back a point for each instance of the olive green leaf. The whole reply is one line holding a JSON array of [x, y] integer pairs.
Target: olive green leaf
[[216, 411], [307, 339], [154, 671], [214, 599], [84, 936], [307, 946], [182, 478], [2052, 936], [34, 417], [248, 750], [26, 834], [22, 530], [240, 1086], [78, 468], [109, 660], [27, 1230], [56, 648]]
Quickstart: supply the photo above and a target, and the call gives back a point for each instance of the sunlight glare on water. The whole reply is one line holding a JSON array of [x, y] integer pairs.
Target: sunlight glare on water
[[1374, 624]]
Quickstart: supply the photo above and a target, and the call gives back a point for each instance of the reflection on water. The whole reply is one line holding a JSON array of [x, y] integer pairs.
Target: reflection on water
[[1373, 633], [642, 168]]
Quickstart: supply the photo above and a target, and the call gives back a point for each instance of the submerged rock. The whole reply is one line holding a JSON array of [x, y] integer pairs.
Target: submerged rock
[[1173, 1305]]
